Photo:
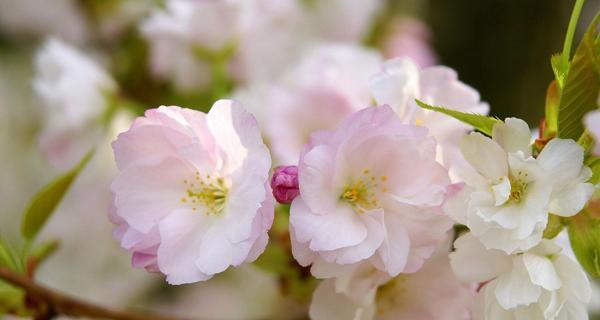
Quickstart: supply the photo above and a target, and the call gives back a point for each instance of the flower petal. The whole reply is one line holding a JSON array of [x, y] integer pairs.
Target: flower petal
[[472, 262], [338, 228], [181, 234], [541, 271], [485, 155], [515, 288], [513, 135], [563, 159]]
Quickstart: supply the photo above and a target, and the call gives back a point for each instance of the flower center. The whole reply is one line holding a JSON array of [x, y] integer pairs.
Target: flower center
[[209, 192], [361, 193], [518, 187]]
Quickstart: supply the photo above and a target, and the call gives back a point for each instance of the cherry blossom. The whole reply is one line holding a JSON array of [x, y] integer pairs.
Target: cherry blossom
[[75, 92], [401, 81], [541, 283], [192, 195], [329, 84], [364, 292], [369, 191], [506, 202], [186, 35]]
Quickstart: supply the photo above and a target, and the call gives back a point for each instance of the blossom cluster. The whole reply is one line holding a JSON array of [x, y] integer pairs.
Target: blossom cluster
[[401, 211]]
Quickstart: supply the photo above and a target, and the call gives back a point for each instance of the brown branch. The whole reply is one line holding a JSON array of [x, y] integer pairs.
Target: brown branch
[[64, 305]]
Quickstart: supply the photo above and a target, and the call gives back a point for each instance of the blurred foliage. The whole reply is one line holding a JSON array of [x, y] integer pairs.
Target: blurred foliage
[[502, 47]]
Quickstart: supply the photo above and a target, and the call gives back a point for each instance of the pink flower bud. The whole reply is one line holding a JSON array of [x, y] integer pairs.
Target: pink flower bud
[[285, 184]]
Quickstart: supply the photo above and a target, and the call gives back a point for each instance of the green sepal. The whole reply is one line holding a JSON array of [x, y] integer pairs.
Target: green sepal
[[555, 225]]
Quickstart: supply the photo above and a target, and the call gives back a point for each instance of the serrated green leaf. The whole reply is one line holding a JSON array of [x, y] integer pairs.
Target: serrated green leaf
[[581, 85], [46, 200], [483, 123], [584, 235]]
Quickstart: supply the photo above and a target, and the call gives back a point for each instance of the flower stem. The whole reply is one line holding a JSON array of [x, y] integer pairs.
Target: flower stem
[[571, 31], [60, 304]]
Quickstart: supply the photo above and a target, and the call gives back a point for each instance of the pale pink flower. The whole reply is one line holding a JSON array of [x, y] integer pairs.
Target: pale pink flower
[[192, 195], [75, 92], [592, 123], [343, 20], [365, 293], [370, 191], [410, 38], [245, 30], [329, 84], [401, 82]]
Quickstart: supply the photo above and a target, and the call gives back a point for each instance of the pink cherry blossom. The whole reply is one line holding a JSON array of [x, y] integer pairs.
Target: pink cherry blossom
[[192, 195], [325, 87], [370, 191], [75, 92], [363, 292], [410, 38], [401, 81]]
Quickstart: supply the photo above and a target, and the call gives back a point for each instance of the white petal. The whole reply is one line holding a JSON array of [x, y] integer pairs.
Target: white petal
[[457, 203], [541, 271], [562, 159], [573, 310], [485, 155], [574, 278], [515, 288], [501, 191], [397, 85], [513, 135], [472, 262], [571, 199], [327, 304]]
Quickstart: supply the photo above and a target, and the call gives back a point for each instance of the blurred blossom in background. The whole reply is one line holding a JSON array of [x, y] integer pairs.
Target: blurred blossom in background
[[297, 65]]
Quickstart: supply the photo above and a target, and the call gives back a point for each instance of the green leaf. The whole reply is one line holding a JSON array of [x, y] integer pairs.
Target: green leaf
[[581, 86], [584, 234], [46, 200], [560, 69], [480, 122], [8, 257]]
